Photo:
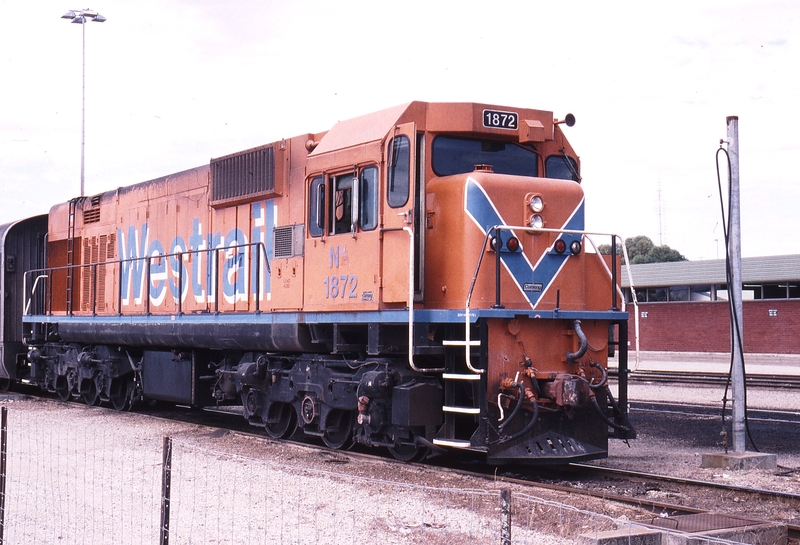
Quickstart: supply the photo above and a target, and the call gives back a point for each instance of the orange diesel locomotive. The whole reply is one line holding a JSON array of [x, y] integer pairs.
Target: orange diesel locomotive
[[416, 279]]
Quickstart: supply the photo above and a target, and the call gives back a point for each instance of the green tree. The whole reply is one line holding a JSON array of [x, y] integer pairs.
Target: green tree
[[642, 250]]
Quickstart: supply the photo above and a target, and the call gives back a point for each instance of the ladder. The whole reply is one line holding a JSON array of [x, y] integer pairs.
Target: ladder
[[461, 420], [73, 205]]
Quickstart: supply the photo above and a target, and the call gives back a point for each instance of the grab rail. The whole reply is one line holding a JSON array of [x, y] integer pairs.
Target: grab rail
[[48, 274], [411, 257], [27, 305], [496, 230]]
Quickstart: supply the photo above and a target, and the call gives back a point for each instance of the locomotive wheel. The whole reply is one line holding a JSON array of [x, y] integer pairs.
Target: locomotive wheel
[[121, 390], [409, 453], [5, 384], [281, 420], [338, 429], [90, 395], [62, 388]]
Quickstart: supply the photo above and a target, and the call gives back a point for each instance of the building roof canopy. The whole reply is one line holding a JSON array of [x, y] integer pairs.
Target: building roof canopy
[[755, 270]]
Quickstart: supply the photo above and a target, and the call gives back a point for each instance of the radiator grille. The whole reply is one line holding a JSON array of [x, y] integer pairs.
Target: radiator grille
[[243, 175]]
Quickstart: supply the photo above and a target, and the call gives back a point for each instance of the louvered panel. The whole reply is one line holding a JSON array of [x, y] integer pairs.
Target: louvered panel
[[242, 175], [96, 250], [102, 257], [89, 244]]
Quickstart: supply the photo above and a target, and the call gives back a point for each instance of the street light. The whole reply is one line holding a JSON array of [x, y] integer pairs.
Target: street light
[[80, 16]]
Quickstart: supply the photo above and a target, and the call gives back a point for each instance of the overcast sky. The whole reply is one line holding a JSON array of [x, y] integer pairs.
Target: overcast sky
[[172, 83]]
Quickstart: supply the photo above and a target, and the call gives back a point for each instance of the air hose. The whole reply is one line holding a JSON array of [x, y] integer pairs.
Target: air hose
[[571, 357], [517, 407], [603, 380], [602, 414], [527, 428]]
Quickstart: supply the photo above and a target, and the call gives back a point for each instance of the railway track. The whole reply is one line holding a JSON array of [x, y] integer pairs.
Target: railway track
[[620, 486], [768, 416], [674, 496], [687, 377], [779, 499], [660, 495]]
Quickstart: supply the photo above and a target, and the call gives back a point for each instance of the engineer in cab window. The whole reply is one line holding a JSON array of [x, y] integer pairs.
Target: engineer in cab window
[[342, 203]]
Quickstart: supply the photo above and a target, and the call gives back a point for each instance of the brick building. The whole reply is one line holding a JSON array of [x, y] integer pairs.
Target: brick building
[[683, 306]]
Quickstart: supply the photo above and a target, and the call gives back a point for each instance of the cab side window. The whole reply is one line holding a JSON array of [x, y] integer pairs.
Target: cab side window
[[399, 171], [342, 203], [316, 207], [368, 198]]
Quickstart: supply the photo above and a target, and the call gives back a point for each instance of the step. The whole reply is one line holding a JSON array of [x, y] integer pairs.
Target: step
[[461, 410], [460, 343], [452, 443], [458, 376]]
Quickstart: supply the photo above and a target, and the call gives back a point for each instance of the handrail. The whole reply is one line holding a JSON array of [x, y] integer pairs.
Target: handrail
[[148, 260], [27, 305], [411, 257], [616, 288], [497, 229]]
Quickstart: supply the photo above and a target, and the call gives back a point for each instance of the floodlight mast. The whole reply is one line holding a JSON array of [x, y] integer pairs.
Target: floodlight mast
[[80, 16]]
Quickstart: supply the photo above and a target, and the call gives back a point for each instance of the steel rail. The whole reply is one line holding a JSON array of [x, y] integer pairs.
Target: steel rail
[[794, 529], [689, 377], [682, 480]]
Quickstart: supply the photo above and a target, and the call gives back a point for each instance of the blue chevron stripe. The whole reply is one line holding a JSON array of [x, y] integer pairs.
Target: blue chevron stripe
[[480, 208]]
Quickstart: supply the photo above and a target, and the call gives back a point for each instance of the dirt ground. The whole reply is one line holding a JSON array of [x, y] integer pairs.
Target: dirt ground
[[80, 474]]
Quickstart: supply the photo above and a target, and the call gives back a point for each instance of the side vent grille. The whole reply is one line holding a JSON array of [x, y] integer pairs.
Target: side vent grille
[[96, 250], [243, 175], [92, 215], [289, 241]]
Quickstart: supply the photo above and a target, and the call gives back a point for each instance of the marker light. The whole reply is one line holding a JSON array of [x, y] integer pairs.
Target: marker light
[[575, 247], [537, 222], [536, 203], [560, 246], [512, 244]]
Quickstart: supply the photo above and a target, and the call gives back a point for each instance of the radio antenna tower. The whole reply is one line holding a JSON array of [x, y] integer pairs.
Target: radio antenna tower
[[660, 218]]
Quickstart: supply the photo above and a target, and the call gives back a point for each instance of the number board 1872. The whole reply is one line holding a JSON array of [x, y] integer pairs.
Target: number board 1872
[[500, 120]]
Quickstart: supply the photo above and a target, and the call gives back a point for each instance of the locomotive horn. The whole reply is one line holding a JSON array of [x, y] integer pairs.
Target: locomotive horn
[[569, 120]]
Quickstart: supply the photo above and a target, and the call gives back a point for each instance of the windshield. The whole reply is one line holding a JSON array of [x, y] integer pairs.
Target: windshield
[[459, 155], [561, 167]]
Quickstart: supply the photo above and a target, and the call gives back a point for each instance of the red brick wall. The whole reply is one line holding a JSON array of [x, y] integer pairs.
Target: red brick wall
[[705, 327]]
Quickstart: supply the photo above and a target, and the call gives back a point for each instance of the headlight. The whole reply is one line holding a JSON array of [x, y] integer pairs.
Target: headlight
[[537, 222], [537, 203]]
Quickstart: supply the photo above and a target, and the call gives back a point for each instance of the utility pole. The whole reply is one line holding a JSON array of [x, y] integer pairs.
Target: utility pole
[[739, 458], [735, 289]]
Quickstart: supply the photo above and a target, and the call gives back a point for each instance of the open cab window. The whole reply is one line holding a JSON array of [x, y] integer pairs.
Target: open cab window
[[343, 203]]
